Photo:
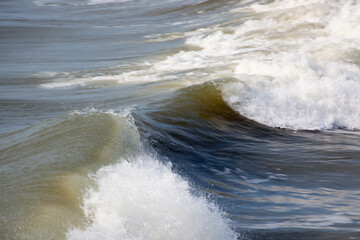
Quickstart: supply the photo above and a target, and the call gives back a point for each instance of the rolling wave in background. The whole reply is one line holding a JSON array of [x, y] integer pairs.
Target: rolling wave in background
[[296, 65]]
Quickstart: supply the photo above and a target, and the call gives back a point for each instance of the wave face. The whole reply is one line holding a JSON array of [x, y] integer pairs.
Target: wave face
[[45, 166], [135, 196]]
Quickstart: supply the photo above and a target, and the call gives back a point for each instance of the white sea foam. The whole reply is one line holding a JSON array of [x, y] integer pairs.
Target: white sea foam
[[307, 76], [69, 81], [301, 95], [145, 199]]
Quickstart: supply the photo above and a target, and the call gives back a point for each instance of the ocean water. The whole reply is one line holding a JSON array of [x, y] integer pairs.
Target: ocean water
[[180, 119]]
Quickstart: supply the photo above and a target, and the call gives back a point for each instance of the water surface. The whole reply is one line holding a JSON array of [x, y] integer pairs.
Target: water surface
[[141, 119]]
